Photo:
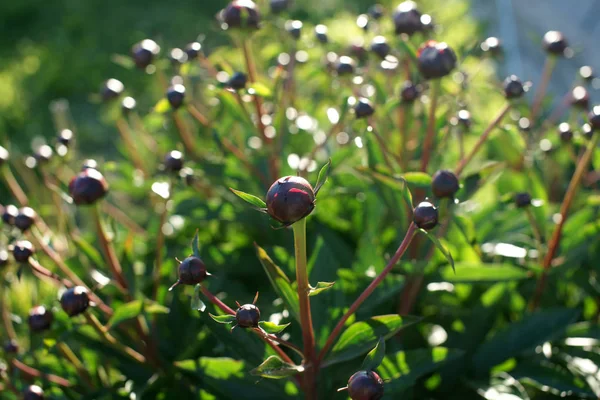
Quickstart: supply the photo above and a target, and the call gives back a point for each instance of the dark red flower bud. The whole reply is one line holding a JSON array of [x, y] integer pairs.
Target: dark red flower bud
[[4, 155], [594, 118], [128, 105], [11, 347], [237, 81], [65, 137], [365, 385], [376, 11], [380, 46], [587, 131], [444, 184], [587, 73], [407, 19], [522, 200], [492, 45], [177, 56], [176, 95], [345, 66], [33, 392], [241, 14], [513, 87], [173, 161], [22, 250], [75, 300], [436, 60], [294, 28], [290, 199], [524, 124], [321, 33], [409, 92], [425, 215], [9, 214], [192, 271], [88, 187], [363, 108], [43, 154], [580, 97], [463, 117], [143, 53], [25, 219], [554, 43], [565, 132], [192, 50], [247, 316], [111, 89], [40, 319]]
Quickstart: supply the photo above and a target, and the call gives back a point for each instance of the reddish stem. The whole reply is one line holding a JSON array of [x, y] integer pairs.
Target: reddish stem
[[430, 137]]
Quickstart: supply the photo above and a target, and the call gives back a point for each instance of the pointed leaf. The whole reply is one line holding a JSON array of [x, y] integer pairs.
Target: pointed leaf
[[409, 49], [274, 368], [362, 336], [394, 182], [197, 303], [260, 90], [469, 272], [125, 312], [440, 247], [223, 319], [280, 282], [196, 246], [272, 328], [253, 200], [162, 106], [152, 307], [321, 287], [419, 179], [375, 356], [323, 175]]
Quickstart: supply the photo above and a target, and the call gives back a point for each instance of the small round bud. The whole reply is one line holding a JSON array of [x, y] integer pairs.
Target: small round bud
[[192, 271], [75, 300], [247, 316], [594, 118], [376, 11], [40, 319], [522, 200], [237, 81], [43, 154], [88, 187], [436, 59], [586, 73], [11, 347], [173, 161], [143, 53], [363, 108], [4, 155], [463, 117], [425, 215], [3, 258], [187, 174], [565, 132], [380, 47], [492, 45], [513, 87], [407, 18], [176, 95], [524, 124], [33, 392], [444, 184], [587, 131], [290, 199], [177, 56], [89, 163], [25, 219], [409, 92], [294, 28], [128, 105], [365, 385], [192, 50], [65, 137], [554, 43], [111, 89], [580, 97], [278, 6], [22, 250], [241, 14], [321, 33], [9, 214], [345, 66]]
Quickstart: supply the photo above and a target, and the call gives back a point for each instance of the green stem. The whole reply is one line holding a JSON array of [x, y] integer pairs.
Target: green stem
[[308, 335], [541, 91], [66, 351], [429, 138]]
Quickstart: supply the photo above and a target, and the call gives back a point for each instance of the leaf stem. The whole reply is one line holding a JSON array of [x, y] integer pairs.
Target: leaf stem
[[132, 149], [408, 237], [34, 373], [430, 137], [103, 332], [564, 209], [109, 252], [308, 334], [66, 351], [493, 124], [541, 91], [14, 186]]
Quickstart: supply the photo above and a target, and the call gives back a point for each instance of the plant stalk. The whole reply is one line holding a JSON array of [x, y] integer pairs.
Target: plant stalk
[[66, 351], [308, 334], [109, 252], [564, 209], [430, 137], [103, 332], [408, 237], [469, 157], [14, 186], [541, 91]]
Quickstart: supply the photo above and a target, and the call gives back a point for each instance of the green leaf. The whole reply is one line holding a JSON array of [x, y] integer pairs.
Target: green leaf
[[196, 246], [87, 249], [151, 307], [323, 175], [469, 272], [531, 331], [404, 368], [275, 368], [409, 50], [440, 247], [162, 106], [125, 312], [362, 336], [546, 375], [272, 328], [197, 303], [280, 282], [123, 60], [321, 287], [223, 319], [419, 179], [375, 356], [253, 200], [394, 182], [260, 90]]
